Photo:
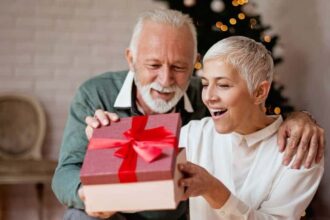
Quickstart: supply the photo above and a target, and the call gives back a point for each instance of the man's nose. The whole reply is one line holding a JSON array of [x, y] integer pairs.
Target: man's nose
[[165, 77]]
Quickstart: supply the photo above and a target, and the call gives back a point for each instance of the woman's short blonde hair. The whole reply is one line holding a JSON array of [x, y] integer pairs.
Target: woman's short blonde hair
[[250, 58]]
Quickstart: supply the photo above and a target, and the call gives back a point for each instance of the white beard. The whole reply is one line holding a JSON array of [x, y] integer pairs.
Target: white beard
[[159, 105]]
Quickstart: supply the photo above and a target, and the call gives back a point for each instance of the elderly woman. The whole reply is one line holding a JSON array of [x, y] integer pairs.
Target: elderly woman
[[235, 169]]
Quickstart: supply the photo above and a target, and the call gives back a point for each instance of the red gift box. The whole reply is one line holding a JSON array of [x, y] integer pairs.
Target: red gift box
[[131, 158]]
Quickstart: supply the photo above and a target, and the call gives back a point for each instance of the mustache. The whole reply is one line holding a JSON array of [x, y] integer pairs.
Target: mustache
[[156, 86]]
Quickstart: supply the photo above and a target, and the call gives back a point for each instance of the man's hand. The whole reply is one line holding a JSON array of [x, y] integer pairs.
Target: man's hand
[[201, 183], [101, 118], [102, 215], [300, 135]]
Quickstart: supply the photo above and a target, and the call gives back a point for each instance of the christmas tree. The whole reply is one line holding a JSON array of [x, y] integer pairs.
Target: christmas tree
[[218, 19]]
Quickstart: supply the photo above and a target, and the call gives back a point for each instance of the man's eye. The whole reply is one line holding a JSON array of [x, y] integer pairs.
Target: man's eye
[[153, 66], [204, 86], [179, 68]]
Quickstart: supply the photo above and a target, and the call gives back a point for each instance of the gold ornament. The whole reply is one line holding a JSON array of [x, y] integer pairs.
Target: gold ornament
[[277, 110], [198, 65], [241, 16], [232, 21]]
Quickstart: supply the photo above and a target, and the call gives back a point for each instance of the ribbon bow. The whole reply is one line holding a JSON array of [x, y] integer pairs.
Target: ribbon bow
[[146, 143]]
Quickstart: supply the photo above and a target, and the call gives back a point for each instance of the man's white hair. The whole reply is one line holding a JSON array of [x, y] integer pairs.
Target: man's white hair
[[250, 58], [162, 16]]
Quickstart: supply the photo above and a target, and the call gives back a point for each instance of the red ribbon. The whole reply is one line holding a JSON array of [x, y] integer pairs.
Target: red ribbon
[[147, 143]]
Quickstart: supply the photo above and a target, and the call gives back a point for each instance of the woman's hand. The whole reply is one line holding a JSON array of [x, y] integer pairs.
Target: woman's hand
[[200, 183]]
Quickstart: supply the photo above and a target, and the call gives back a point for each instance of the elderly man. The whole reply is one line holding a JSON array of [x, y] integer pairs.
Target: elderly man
[[161, 58]]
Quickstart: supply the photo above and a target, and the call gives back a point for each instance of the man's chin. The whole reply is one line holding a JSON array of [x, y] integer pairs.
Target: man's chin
[[160, 106]]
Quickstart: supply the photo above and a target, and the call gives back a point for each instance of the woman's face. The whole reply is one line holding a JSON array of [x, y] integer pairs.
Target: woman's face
[[226, 95]]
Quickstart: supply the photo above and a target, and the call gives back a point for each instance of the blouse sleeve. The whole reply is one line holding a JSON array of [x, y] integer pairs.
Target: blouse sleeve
[[288, 199]]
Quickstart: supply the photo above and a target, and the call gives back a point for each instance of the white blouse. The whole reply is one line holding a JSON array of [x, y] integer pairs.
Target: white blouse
[[250, 166]]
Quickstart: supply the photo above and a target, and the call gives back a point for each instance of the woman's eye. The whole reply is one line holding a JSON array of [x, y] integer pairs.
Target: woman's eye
[[223, 85]]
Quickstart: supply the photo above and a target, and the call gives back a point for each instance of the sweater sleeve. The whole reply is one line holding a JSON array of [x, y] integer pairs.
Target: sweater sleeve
[[66, 180]]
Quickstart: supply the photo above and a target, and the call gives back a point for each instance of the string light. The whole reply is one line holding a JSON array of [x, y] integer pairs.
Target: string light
[[198, 65], [224, 27], [241, 16], [232, 21], [218, 24], [267, 38], [277, 110], [189, 3], [235, 3], [241, 2], [253, 21]]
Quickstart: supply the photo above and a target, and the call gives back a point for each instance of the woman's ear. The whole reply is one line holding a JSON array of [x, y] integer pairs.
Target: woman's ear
[[261, 93], [129, 59]]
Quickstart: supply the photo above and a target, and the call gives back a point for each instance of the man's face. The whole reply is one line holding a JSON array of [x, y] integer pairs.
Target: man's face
[[163, 65]]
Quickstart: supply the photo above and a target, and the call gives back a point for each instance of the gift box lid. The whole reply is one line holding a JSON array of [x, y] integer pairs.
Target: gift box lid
[[101, 166]]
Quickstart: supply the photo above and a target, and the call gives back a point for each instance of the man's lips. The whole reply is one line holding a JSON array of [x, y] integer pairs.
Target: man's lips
[[162, 95]]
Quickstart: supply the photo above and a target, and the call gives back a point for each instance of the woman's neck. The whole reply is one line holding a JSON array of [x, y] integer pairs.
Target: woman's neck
[[256, 121]]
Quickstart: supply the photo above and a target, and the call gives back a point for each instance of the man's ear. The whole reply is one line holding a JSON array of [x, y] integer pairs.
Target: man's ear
[[129, 59], [261, 93]]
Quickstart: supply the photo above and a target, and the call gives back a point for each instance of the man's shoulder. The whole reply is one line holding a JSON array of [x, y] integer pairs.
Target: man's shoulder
[[105, 86]]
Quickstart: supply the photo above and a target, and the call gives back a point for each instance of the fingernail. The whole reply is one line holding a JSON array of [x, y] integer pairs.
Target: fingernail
[[307, 165], [286, 162], [105, 122], [95, 124], [280, 148]]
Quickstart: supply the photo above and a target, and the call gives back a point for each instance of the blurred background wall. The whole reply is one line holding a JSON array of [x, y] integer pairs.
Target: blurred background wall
[[49, 47]]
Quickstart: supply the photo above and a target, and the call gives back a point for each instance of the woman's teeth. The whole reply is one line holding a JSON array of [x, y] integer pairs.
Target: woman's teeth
[[218, 112]]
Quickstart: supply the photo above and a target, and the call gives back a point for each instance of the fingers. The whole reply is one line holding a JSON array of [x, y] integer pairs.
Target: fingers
[[101, 117], [101, 215], [320, 150], [290, 149], [312, 151], [105, 117], [309, 149], [191, 190], [188, 168], [92, 122], [302, 150], [81, 193], [89, 132], [281, 138]]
